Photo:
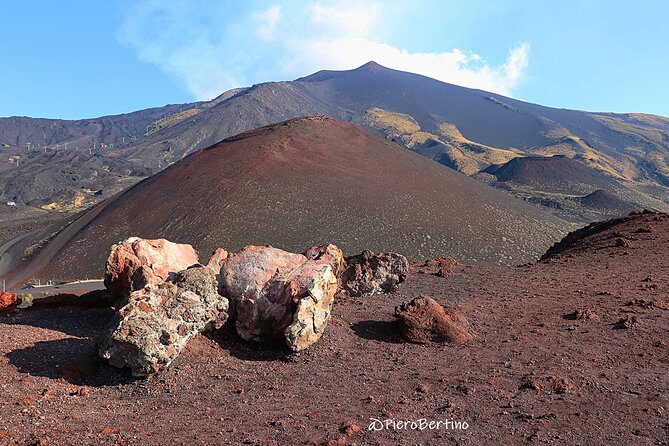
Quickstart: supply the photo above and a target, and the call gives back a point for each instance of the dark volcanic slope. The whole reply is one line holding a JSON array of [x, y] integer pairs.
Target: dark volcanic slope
[[619, 232], [606, 201], [477, 128], [309, 181], [551, 174], [533, 375]]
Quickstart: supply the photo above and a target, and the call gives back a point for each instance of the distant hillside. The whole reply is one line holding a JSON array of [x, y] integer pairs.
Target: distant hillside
[[300, 183], [557, 173], [607, 203], [465, 129]]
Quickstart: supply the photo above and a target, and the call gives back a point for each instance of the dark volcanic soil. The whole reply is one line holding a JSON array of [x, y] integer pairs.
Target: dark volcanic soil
[[552, 174], [14, 224], [301, 183], [534, 374]]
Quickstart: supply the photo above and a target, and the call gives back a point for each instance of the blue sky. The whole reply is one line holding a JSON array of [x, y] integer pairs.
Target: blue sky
[[74, 59]]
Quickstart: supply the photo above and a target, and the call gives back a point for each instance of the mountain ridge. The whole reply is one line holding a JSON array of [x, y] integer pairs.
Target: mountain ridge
[[296, 184], [632, 147]]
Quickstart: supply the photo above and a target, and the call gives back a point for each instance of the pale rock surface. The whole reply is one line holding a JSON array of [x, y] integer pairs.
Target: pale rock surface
[[151, 330], [277, 294], [368, 273], [134, 263]]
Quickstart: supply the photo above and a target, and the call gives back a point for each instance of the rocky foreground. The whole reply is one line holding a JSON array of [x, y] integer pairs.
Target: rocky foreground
[[570, 350]]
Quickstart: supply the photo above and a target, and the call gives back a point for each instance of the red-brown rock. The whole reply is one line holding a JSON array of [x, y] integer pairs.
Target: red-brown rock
[[423, 321], [7, 300], [216, 259], [327, 253], [440, 266], [135, 263], [585, 314], [551, 384]]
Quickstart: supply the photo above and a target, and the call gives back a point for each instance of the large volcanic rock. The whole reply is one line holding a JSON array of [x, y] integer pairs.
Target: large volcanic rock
[[300, 182], [423, 321], [154, 326], [135, 263], [370, 273], [277, 294]]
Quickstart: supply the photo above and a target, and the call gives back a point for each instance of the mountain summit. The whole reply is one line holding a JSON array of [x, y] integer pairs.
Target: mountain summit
[[465, 129]]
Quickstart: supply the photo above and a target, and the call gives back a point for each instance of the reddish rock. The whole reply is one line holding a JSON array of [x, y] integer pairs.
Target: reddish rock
[[135, 263], [350, 429], [368, 273], [440, 266], [277, 294], [216, 259], [551, 384], [328, 253], [627, 322], [621, 242], [7, 300], [423, 321], [585, 314], [643, 303]]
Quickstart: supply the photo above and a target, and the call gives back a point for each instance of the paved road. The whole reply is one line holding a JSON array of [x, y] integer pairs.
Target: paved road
[[5, 256], [73, 287]]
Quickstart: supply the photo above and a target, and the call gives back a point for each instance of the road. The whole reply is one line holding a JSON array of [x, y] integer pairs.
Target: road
[[72, 287], [5, 256]]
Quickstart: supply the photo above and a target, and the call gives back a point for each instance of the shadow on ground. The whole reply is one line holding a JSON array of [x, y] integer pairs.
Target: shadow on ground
[[72, 358], [270, 350], [384, 331]]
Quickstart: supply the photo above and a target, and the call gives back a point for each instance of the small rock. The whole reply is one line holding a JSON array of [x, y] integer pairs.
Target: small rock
[[80, 391], [423, 388], [216, 259], [548, 383], [627, 322], [656, 303], [350, 429], [441, 266], [369, 273], [423, 321], [621, 243], [7, 300], [585, 314]]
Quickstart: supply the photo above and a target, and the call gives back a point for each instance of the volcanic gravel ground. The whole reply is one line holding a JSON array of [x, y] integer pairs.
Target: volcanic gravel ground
[[533, 374]]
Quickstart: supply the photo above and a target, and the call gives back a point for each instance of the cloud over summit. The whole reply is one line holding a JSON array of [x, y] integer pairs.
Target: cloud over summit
[[211, 46]]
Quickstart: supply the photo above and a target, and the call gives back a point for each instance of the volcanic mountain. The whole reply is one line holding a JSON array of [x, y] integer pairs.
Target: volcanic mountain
[[299, 183], [607, 202], [556, 173], [571, 189], [462, 128]]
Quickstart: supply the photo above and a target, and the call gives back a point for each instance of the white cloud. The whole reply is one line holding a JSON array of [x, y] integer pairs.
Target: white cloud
[[358, 19], [211, 49], [266, 22]]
